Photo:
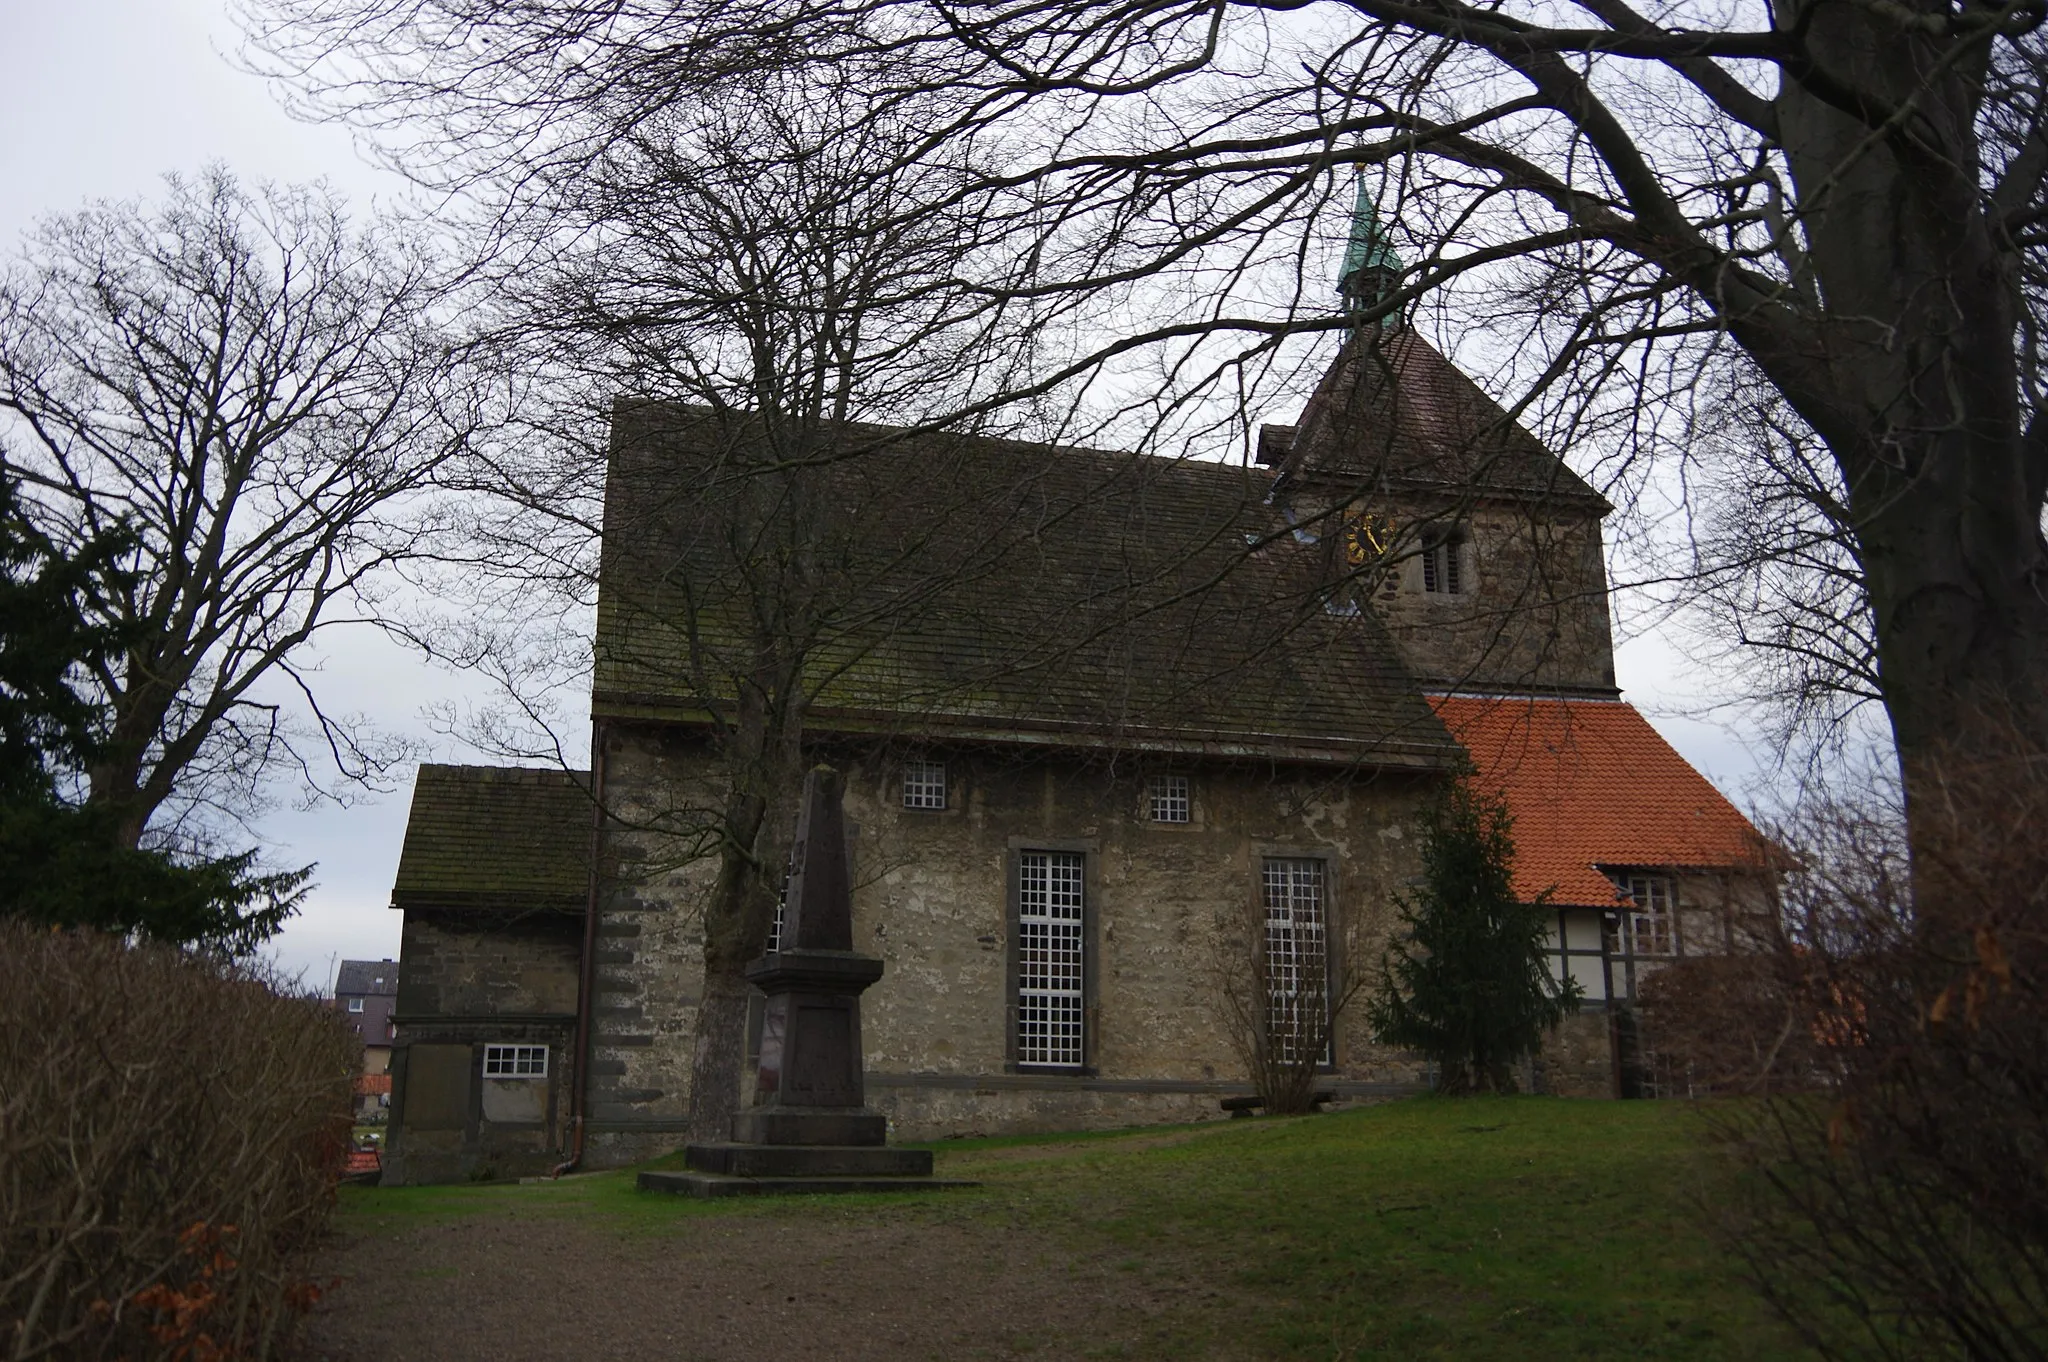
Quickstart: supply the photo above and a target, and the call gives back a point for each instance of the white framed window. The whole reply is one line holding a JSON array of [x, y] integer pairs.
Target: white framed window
[[1297, 951], [1050, 951], [924, 784], [355, 1004], [1441, 575], [1170, 799], [515, 1061], [1649, 923]]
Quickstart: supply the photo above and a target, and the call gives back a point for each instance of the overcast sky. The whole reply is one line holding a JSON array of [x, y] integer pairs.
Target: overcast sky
[[98, 98]]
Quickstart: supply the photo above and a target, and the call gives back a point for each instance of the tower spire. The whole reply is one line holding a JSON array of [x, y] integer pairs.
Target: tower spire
[[1370, 263]]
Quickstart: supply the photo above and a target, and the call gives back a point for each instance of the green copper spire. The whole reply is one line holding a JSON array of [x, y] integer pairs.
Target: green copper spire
[[1370, 264]]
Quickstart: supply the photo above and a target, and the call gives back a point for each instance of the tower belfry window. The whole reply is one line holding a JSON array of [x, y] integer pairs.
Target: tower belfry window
[[1442, 573]]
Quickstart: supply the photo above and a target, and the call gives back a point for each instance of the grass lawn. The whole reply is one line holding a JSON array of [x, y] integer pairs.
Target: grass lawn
[[1471, 1229]]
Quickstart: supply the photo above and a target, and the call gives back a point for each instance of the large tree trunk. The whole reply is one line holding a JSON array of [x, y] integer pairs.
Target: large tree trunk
[[736, 923], [763, 762], [1912, 379]]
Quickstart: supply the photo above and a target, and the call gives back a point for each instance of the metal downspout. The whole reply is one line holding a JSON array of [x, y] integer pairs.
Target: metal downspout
[[586, 978]]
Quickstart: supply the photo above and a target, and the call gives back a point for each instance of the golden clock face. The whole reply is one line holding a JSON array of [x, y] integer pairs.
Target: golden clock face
[[1368, 537]]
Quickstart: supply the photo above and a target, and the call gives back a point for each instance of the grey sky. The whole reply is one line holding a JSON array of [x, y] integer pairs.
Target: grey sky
[[98, 98]]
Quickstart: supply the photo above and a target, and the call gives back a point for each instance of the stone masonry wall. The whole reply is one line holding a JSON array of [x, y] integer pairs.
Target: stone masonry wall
[[932, 900], [1531, 609], [1531, 612], [1577, 1059], [467, 980]]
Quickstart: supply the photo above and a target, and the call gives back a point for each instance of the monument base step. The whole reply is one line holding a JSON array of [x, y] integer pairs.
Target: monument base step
[[810, 1125], [808, 1161], [725, 1184]]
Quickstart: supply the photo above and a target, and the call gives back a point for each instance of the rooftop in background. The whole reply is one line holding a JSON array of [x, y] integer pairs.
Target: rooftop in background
[[1591, 784], [496, 837], [361, 978], [1393, 412]]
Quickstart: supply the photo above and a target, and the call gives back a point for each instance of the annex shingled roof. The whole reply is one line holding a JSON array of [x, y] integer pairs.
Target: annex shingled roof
[[1590, 784], [496, 836], [1393, 411], [991, 589]]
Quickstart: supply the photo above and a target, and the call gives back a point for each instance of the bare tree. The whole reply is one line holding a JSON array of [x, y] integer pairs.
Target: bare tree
[[254, 392], [1840, 198], [759, 275], [1892, 1204], [1281, 985]]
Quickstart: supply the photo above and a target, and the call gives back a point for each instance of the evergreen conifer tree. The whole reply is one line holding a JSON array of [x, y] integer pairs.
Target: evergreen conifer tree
[[62, 861], [1470, 986]]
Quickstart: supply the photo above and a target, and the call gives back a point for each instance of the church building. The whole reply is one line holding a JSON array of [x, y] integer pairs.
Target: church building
[[1094, 709]]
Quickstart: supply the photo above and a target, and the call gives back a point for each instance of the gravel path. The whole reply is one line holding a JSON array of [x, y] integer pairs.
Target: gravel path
[[874, 1283]]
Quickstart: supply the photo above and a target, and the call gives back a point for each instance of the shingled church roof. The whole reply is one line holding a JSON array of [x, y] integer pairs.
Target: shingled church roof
[[1392, 412], [988, 589], [496, 837]]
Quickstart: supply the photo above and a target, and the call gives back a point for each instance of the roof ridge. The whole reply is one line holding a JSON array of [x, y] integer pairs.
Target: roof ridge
[[883, 431]]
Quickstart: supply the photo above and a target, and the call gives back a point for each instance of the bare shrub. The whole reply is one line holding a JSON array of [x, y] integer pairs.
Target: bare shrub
[[1901, 1208], [1745, 1023], [171, 1134], [1280, 988]]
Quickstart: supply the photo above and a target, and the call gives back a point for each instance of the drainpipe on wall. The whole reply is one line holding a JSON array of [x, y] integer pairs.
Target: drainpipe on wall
[[586, 971]]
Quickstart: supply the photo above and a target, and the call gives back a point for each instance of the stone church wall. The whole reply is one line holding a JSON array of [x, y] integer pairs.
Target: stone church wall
[[932, 899]]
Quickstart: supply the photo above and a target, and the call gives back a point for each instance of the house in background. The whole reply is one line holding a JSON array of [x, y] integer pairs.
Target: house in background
[[373, 1096], [1093, 709], [366, 994]]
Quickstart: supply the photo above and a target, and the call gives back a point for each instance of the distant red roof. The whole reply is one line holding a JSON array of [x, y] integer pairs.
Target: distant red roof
[[373, 1085], [1591, 784]]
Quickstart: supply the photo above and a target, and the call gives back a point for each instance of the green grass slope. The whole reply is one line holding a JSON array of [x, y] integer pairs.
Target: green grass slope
[[1499, 1228]]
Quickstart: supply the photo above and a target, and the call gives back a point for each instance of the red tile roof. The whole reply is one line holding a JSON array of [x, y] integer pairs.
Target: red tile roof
[[372, 1085], [1591, 784]]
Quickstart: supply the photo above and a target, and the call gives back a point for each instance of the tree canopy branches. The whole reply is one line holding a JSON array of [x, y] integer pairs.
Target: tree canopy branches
[[254, 396], [1837, 199]]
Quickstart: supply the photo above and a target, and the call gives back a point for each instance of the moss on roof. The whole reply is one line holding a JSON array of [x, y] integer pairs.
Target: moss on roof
[[496, 836], [941, 584]]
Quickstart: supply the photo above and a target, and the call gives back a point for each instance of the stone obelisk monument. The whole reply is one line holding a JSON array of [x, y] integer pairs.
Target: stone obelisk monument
[[809, 1128]]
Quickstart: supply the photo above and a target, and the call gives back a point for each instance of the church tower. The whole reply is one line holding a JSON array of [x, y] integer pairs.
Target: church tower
[[1475, 545]]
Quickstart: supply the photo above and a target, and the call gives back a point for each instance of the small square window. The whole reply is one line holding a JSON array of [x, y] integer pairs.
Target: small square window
[[515, 1061], [924, 784], [355, 1004], [1170, 799]]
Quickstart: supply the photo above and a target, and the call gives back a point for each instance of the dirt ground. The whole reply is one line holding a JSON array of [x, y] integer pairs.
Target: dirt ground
[[883, 1284]]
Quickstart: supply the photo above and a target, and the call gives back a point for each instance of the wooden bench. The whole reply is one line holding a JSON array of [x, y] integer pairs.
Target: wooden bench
[[1251, 1101]]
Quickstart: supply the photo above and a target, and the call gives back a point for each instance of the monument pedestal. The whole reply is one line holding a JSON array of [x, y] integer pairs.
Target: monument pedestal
[[809, 1129]]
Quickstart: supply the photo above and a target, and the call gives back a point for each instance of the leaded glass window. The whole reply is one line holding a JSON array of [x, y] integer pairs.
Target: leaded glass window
[[1050, 947]]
